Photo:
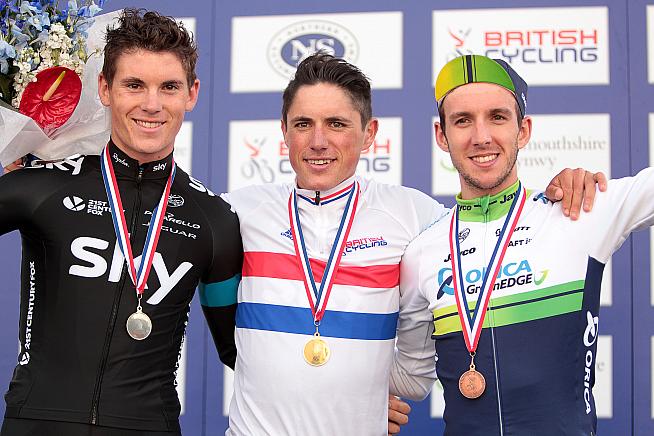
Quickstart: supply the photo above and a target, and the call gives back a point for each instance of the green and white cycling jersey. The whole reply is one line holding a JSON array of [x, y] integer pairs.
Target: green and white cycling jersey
[[537, 347]]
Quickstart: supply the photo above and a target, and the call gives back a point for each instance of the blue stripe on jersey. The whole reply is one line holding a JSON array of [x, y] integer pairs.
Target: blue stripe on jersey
[[335, 324], [220, 294]]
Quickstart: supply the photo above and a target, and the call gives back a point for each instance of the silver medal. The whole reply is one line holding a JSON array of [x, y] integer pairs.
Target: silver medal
[[139, 325]]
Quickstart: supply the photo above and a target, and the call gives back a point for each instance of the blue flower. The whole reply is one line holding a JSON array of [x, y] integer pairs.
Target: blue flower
[[36, 21], [72, 7], [26, 7], [6, 51], [21, 38]]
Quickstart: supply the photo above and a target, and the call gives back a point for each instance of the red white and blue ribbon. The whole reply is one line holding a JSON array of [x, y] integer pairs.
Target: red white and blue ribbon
[[139, 277], [471, 324], [318, 296]]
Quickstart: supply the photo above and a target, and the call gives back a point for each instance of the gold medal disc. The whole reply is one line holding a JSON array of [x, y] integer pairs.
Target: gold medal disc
[[472, 384], [316, 352]]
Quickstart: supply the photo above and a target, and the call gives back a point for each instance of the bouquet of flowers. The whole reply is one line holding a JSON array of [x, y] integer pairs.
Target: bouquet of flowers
[[49, 62]]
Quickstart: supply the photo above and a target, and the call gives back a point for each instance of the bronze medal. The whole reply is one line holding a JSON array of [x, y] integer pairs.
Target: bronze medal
[[472, 384], [316, 351]]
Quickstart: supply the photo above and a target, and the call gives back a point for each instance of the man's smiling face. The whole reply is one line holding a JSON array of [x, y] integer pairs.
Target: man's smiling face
[[148, 98], [324, 135]]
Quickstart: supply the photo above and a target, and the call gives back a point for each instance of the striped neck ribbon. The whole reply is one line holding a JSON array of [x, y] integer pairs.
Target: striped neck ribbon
[[473, 320], [139, 277], [318, 296]]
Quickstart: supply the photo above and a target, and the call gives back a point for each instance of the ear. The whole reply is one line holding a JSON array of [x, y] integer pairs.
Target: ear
[[193, 93], [524, 134], [103, 90], [441, 139], [370, 133]]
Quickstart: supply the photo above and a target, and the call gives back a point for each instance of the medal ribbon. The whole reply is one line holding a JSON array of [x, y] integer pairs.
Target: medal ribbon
[[315, 294], [472, 324], [140, 277]]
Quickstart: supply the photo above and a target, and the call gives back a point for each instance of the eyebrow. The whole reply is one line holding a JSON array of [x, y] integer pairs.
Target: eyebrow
[[136, 80], [497, 110]]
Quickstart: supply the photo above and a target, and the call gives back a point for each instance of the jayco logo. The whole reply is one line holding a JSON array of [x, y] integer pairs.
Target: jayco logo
[[81, 248]]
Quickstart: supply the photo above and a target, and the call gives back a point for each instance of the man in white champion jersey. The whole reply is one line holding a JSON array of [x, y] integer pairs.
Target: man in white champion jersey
[[506, 285], [319, 299]]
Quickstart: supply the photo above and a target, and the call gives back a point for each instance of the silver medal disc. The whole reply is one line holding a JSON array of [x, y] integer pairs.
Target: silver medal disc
[[139, 325]]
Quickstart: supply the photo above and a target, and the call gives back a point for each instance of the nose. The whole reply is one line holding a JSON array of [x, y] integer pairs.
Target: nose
[[151, 101], [319, 139], [481, 134]]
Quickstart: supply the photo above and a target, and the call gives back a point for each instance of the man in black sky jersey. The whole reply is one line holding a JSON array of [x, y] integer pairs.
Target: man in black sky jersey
[[99, 348]]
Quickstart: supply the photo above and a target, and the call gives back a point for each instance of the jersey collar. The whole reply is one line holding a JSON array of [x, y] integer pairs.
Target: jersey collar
[[126, 166], [328, 196], [488, 207]]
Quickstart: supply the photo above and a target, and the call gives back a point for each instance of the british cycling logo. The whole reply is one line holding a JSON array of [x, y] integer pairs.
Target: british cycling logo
[[74, 203], [292, 44], [529, 46], [364, 244]]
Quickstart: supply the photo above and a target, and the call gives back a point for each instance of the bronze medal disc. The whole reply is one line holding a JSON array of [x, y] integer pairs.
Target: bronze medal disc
[[316, 352], [472, 384], [139, 326]]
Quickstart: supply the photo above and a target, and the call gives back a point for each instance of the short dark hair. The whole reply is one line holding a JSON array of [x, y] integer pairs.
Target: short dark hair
[[324, 68], [139, 29]]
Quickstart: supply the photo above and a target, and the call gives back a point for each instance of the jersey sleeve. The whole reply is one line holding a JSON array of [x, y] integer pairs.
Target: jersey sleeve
[[19, 192], [625, 207], [219, 287], [428, 210], [413, 371]]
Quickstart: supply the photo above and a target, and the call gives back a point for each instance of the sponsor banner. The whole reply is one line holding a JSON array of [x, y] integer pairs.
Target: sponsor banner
[[437, 401], [547, 46], [268, 62], [650, 43], [258, 154], [603, 390], [183, 153]]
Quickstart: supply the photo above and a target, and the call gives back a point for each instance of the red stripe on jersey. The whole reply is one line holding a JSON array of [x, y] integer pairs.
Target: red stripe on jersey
[[284, 266]]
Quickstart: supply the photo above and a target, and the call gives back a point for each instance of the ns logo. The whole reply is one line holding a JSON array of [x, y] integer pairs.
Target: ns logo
[[294, 43]]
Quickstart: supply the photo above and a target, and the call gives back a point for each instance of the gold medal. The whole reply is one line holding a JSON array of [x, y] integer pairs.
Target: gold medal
[[316, 351], [472, 383]]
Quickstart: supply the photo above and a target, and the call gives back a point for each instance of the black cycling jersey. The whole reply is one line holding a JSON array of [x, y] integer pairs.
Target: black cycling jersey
[[77, 362]]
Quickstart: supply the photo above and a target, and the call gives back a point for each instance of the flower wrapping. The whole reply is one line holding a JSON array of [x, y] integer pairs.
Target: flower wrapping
[[86, 131]]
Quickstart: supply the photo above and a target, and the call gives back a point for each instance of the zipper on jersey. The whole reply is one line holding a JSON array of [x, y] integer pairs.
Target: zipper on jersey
[[486, 209], [116, 304]]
